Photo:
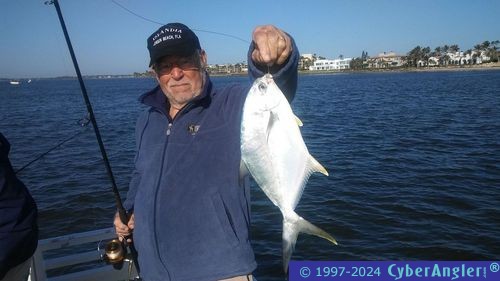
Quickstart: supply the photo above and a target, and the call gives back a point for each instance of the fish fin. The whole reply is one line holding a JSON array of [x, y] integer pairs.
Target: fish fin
[[315, 166], [273, 119], [299, 122], [293, 224], [243, 169]]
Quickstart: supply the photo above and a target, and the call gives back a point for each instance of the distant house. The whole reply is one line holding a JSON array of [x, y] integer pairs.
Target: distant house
[[484, 57], [327, 64], [386, 60], [306, 60], [308, 56], [421, 63], [227, 68], [433, 61], [476, 57], [455, 58]]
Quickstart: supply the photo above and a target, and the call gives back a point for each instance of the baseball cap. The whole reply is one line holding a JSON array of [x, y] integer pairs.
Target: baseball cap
[[172, 39]]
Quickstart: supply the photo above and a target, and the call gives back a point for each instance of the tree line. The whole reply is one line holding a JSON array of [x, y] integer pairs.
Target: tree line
[[418, 53], [441, 53]]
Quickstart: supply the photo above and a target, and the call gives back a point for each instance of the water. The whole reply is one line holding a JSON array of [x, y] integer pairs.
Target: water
[[414, 162]]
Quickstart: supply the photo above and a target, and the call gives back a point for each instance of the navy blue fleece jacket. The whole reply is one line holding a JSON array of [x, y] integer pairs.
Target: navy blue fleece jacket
[[192, 210], [18, 215]]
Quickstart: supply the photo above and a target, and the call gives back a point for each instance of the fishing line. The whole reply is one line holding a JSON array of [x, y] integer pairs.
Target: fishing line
[[83, 122], [159, 23], [90, 111]]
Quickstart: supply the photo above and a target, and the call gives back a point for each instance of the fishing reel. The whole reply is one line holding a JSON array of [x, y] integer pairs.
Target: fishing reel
[[114, 252]]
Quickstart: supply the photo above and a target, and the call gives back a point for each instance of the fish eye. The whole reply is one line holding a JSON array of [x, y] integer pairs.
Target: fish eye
[[262, 87]]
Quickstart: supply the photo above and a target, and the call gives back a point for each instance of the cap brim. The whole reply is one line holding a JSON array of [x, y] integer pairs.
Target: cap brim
[[172, 51]]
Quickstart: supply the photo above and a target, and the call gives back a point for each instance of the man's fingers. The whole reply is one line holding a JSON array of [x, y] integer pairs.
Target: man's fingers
[[272, 45], [121, 229], [266, 40], [122, 237], [284, 49], [131, 222]]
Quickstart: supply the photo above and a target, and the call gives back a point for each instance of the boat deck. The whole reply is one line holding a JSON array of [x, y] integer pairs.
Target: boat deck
[[77, 257]]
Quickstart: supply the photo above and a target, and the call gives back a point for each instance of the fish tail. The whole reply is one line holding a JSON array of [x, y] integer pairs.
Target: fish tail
[[293, 224]]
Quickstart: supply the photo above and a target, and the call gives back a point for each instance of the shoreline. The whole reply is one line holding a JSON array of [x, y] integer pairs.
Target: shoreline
[[489, 66]]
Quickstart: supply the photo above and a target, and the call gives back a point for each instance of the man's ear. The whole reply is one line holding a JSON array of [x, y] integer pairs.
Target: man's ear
[[203, 58], [153, 73]]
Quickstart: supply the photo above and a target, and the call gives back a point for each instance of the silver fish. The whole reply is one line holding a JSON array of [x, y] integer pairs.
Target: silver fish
[[273, 151]]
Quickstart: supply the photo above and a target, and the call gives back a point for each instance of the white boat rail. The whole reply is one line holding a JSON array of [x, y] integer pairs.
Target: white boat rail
[[78, 256]]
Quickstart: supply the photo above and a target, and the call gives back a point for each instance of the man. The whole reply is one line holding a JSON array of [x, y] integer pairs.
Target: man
[[191, 209], [18, 227]]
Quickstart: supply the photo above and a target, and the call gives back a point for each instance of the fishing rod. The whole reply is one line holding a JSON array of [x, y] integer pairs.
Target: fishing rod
[[121, 210]]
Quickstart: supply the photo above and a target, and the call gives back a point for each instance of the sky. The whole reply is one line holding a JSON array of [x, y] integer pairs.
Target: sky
[[108, 39]]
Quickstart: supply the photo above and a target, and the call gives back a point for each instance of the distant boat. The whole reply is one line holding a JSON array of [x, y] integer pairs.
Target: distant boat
[[14, 82], [29, 81]]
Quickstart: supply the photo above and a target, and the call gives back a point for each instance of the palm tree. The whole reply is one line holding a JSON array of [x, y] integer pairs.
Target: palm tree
[[493, 51], [446, 59], [454, 48], [306, 62], [414, 56], [426, 54], [364, 55], [356, 63], [468, 52], [437, 53], [446, 48], [477, 52], [485, 45]]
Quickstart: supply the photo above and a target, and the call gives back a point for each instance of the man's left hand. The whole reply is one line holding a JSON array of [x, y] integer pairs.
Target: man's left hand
[[272, 45]]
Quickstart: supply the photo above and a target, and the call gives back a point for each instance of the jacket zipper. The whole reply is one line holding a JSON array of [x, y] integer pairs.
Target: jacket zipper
[[170, 123], [164, 154], [169, 128]]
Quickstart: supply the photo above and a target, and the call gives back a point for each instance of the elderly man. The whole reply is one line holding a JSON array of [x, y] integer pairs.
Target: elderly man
[[190, 207]]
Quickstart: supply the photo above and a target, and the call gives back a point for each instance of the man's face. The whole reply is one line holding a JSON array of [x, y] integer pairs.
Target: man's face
[[181, 78]]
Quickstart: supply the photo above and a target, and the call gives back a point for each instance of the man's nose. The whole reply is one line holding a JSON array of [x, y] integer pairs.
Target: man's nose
[[176, 72]]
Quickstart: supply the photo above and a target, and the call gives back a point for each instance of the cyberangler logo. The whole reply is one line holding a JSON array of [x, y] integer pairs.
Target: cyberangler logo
[[436, 271]]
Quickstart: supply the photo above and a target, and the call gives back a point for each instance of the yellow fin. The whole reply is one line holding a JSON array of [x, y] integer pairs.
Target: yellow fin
[[299, 123], [316, 166]]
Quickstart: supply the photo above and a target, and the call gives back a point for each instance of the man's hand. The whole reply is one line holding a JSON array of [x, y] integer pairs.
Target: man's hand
[[123, 230], [272, 45]]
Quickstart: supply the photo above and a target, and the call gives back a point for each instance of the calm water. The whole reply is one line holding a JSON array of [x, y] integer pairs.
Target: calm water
[[414, 162]]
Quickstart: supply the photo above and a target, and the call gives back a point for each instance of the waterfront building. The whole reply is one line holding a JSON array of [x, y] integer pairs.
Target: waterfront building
[[306, 60], [386, 60], [327, 64], [227, 68]]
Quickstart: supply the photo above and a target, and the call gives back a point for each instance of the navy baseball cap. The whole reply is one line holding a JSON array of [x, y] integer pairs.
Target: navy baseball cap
[[172, 39]]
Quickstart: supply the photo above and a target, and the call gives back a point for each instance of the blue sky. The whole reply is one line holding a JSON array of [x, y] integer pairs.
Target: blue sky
[[109, 40]]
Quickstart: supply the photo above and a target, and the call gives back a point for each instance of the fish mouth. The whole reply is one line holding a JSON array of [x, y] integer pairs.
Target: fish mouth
[[268, 76]]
